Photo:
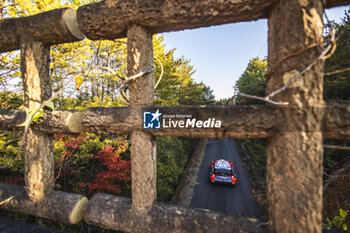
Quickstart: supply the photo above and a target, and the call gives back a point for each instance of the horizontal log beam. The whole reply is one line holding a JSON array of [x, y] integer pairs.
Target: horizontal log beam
[[334, 3], [50, 27], [236, 121], [239, 122], [336, 121], [50, 122], [61, 122], [116, 213], [10, 119], [59, 206], [110, 19], [111, 120]]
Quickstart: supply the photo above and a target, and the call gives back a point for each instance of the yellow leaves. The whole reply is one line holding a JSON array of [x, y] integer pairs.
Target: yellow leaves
[[338, 221], [51, 105], [78, 82], [34, 115]]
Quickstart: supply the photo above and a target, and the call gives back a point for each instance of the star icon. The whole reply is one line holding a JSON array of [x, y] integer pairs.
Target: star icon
[[156, 115]]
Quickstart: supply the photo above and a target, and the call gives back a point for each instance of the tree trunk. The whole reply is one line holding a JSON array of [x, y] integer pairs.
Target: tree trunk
[[143, 149], [294, 161], [39, 161]]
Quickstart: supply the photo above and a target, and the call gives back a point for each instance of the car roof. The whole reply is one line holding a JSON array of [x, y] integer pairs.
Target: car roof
[[222, 164]]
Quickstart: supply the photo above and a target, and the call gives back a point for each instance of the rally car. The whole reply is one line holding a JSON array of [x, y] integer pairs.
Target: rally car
[[222, 172]]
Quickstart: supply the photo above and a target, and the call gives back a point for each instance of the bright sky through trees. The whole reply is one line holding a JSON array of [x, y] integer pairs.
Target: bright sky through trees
[[220, 54]]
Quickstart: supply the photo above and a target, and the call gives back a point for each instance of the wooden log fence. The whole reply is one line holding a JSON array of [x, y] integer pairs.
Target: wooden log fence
[[117, 213], [51, 27], [110, 19], [294, 133], [59, 206], [237, 121]]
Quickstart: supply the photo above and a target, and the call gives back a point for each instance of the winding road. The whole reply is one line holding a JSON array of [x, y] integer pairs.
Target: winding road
[[224, 198]]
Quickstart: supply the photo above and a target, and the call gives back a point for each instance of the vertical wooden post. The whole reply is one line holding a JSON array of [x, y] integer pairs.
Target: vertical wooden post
[[143, 148], [294, 174], [39, 160]]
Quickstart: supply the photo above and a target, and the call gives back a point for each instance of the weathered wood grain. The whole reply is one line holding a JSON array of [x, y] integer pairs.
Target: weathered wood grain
[[141, 91], [110, 19], [294, 158], [237, 121], [50, 27], [58, 206], [115, 212], [38, 149]]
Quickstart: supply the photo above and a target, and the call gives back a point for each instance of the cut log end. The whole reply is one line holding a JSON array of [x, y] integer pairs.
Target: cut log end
[[75, 122], [70, 20], [78, 211], [50, 27], [59, 206]]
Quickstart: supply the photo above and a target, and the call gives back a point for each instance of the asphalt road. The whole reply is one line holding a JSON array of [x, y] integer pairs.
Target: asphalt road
[[224, 198], [8, 225]]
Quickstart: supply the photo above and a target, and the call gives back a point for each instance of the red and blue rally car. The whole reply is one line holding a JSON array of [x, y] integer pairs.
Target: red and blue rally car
[[222, 172]]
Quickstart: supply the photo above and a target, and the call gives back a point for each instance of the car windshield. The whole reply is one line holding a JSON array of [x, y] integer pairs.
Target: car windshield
[[224, 171]]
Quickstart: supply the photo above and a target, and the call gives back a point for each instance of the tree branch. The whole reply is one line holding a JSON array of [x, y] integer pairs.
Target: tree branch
[[324, 55], [337, 71], [336, 147], [161, 74]]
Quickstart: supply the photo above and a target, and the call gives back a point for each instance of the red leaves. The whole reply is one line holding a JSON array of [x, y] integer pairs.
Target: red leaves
[[74, 166], [119, 170], [72, 141], [18, 180]]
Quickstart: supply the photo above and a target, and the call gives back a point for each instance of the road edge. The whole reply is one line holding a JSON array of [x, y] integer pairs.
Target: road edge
[[184, 191], [256, 184]]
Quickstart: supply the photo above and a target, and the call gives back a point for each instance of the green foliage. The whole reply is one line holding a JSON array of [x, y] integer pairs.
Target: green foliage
[[253, 152], [196, 94], [257, 150], [337, 86], [225, 101], [172, 157], [338, 221], [10, 140], [9, 143], [252, 81], [177, 86], [9, 100]]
